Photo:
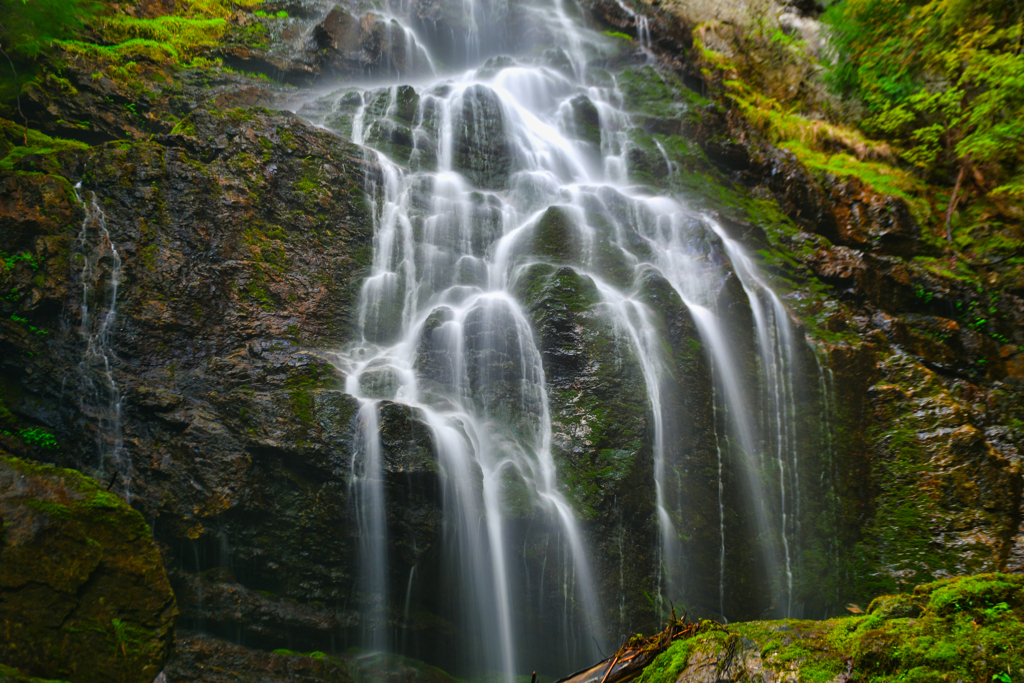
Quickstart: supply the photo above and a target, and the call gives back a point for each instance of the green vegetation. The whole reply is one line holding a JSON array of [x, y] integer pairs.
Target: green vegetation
[[10, 674], [920, 100], [969, 629], [99, 30], [893, 56], [27, 28], [36, 437], [184, 35], [17, 142], [617, 34]]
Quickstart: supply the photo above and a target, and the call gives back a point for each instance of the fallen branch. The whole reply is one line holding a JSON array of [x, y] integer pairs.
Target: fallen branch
[[638, 652]]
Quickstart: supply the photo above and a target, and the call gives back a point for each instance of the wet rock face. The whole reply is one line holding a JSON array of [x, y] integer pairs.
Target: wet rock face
[[202, 658], [348, 46], [243, 238], [323, 41], [481, 149], [873, 222], [83, 592], [95, 102], [944, 496]]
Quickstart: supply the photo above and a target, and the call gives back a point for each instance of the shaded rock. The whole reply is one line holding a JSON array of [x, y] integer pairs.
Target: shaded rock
[[210, 660], [347, 46], [381, 382], [601, 428], [243, 237], [943, 497], [406, 440], [83, 593], [481, 149], [222, 604], [871, 221], [92, 100]]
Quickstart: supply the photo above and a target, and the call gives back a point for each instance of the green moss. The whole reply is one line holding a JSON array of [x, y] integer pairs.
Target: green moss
[[11, 675], [91, 545], [184, 35], [184, 127], [130, 49], [967, 628], [17, 142], [649, 90], [881, 177], [616, 34], [304, 381], [50, 508]]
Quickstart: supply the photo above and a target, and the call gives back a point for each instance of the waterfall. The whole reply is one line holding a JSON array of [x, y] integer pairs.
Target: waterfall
[[478, 181], [101, 276], [368, 490]]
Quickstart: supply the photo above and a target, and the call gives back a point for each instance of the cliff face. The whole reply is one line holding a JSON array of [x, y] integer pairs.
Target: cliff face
[[173, 294]]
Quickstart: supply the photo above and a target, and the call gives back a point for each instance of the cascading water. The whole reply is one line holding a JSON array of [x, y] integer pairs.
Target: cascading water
[[479, 181], [101, 276]]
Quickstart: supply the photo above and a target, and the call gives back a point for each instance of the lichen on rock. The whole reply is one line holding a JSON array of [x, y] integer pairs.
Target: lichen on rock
[[83, 592]]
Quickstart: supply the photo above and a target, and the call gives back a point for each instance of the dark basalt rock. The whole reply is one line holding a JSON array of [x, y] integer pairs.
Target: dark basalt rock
[[205, 659], [872, 222], [481, 149], [347, 46], [83, 592]]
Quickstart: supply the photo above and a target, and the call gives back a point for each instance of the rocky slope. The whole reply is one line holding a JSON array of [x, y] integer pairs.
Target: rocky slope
[[238, 238]]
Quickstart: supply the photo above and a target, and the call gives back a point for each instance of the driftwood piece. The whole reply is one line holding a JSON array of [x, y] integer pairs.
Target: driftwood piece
[[633, 657]]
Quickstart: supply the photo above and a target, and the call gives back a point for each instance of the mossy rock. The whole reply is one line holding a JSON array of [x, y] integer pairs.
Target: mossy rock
[[10, 675], [596, 391], [555, 236], [968, 629], [481, 148], [895, 606], [83, 592]]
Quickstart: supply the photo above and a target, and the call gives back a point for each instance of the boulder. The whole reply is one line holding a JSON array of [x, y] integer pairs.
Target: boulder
[[83, 592]]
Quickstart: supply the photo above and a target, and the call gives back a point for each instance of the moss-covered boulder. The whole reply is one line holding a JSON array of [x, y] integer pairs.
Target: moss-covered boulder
[[960, 629], [83, 592]]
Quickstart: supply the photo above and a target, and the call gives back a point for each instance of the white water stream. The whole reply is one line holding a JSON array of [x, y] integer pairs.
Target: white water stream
[[101, 276], [455, 215]]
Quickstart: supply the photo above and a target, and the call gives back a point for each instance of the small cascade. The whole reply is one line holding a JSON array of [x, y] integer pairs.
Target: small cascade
[[721, 504], [368, 494], [643, 28], [101, 276], [776, 348], [827, 483]]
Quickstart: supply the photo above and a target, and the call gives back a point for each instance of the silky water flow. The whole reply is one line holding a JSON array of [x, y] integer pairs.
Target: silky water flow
[[491, 155]]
